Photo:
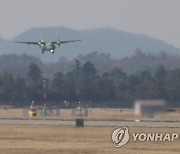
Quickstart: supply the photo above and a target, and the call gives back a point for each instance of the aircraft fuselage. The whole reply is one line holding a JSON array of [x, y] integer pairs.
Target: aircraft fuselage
[[48, 46]]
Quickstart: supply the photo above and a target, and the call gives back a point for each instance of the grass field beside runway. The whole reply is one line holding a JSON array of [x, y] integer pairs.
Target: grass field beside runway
[[32, 139]]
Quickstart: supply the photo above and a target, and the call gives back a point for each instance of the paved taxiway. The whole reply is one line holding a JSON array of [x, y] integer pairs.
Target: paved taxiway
[[153, 124]]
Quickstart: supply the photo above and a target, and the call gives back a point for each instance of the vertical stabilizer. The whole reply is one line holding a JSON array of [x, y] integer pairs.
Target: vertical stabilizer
[[41, 36]]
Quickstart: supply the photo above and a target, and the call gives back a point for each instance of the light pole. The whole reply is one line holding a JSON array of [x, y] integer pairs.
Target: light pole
[[44, 88], [44, 95]]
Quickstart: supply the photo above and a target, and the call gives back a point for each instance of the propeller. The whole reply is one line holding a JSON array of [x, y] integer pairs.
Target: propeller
[[59, 42], [41, 42]]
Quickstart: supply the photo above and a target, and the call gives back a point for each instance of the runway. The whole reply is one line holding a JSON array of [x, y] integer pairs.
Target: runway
[[151, 124]]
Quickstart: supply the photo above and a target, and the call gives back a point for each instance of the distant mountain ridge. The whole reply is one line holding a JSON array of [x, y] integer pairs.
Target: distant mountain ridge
[[117, 43]]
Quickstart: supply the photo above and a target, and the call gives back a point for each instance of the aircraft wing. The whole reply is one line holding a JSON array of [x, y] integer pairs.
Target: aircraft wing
[[34, 43], [70, 41], [59, 42]]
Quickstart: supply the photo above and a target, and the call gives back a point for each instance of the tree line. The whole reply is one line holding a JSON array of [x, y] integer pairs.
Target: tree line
[[114, 88], [133, 64]]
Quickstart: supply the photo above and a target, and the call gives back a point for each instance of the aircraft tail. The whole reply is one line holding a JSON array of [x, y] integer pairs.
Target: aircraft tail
[[41, 36]]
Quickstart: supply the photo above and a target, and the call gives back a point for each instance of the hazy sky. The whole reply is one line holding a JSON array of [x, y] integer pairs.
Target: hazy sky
[[157, 18]]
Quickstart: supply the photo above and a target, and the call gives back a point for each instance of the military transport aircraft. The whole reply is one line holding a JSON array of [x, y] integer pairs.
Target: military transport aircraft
[[47, 46]]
